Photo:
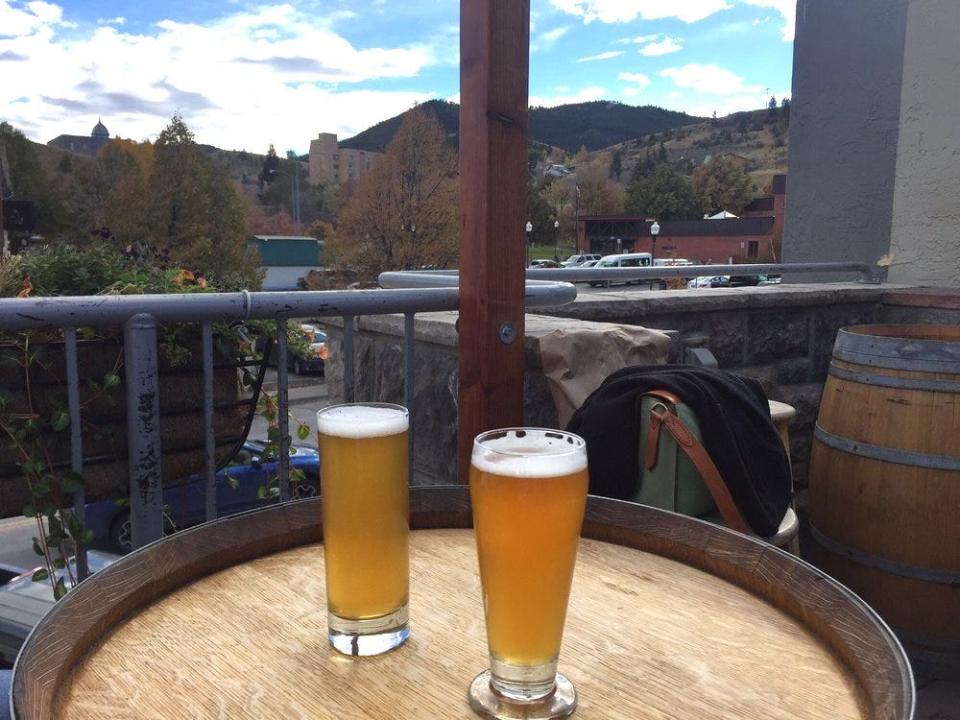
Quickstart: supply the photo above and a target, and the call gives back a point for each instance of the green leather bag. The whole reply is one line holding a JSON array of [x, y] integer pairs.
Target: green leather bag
[[674, 483]]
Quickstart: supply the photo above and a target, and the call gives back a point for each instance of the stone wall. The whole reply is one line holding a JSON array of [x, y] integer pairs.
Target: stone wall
[[781, 335], [378, 347]]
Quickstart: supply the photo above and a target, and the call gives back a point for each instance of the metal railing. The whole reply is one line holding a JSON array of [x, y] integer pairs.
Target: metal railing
[[448, 278], [140, 316]]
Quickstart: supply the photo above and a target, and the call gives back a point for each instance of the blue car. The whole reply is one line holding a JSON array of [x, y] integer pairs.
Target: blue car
[[238, 488]]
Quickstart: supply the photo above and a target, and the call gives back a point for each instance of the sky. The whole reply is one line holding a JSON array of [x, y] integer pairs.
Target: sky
[[244, 75]]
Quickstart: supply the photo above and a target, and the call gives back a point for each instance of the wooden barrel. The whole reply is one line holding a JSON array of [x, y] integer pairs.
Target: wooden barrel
[[885, 480], [669, 617]]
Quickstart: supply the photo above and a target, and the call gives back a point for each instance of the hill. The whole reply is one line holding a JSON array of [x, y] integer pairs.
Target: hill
[[594, 125], [758, 137]]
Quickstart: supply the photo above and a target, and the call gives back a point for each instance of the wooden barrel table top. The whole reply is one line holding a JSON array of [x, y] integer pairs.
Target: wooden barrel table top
[[669, 618]]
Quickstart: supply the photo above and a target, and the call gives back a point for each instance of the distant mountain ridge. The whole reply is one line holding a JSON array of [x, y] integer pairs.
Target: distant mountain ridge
[[594, 125]]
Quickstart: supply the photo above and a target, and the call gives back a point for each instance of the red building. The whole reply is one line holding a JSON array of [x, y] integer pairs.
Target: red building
[[753, 237]]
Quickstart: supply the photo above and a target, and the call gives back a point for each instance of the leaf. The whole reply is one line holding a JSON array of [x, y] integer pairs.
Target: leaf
[[60, 420], [233, 482], [111, 380], [261, 493], [71, 482], [40, 575], [303, 431], [29, 511], [59, 564], [60, 589], [86, 537], [36, 547]]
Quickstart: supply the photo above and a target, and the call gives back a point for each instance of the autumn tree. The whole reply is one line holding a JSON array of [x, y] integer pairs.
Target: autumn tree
[[403, 213], [599, 195], [721, 184], [663, 194]]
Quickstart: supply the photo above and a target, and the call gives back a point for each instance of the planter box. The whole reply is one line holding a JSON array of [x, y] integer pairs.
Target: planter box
[[103, 417]]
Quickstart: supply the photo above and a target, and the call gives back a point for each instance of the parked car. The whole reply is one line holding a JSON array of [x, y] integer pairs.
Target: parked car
[[238, 489], [23, 602], [623, 260], [710, 281], [544, 264], [579, 260]]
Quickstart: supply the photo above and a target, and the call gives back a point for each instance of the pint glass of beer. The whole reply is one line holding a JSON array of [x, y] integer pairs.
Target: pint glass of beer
[[528, 488], [366, 525]]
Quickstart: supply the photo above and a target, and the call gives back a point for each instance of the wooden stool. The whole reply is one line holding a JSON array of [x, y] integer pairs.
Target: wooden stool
[[787, 536]]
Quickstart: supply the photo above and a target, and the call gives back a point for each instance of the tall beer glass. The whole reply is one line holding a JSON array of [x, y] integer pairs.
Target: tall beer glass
[[528, 487], [366, 525]]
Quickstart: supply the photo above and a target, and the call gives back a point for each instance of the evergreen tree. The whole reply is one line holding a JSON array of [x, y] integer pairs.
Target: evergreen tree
[[28, 181], [616, 165], [772, 107], [270, 169], [194, 210], [785, 110], [664, 194], [662, 153]]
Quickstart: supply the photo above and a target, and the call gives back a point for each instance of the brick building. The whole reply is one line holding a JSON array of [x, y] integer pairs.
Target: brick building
[[755, 236], [331, 163]]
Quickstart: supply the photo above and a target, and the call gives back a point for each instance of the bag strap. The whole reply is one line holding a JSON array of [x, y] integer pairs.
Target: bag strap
[[663, 415]]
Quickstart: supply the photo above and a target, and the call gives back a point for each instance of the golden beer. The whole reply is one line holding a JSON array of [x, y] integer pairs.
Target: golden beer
[[528, 489], [365, 488]]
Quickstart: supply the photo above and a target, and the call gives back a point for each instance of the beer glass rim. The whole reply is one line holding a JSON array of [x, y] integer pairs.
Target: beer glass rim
[[577, 444], [390, 406]]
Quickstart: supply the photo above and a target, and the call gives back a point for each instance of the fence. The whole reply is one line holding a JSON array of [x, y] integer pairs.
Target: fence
[[140, 315]]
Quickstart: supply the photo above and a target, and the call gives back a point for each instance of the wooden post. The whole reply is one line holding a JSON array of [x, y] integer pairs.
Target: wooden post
[[494, 67]]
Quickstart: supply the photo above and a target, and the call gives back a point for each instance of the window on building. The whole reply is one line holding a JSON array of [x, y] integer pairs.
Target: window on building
[[753, 248]]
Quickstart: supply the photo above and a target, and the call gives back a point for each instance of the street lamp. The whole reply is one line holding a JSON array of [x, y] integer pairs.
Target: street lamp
[[654, 231], [529, 230]]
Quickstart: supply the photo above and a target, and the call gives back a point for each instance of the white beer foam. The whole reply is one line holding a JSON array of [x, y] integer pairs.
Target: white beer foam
[[362, 421], [539, 453]]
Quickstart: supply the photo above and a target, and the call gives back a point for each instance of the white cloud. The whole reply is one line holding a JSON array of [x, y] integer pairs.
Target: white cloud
[[704, 107], [562, 88], [630, 91], [271, 74], [585, 95], [708, 80], [555, 34], [119, 20], [609, 55], [664, 47], [786, 8], [636, 78], [544, 40], [622, 11], [640, 39], [28, 19]]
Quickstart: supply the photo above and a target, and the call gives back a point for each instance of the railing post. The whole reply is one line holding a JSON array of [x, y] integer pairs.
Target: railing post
[[494, 67], [76, 439], [283, 411], [143, 429], [409, 380], [209, 441]]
